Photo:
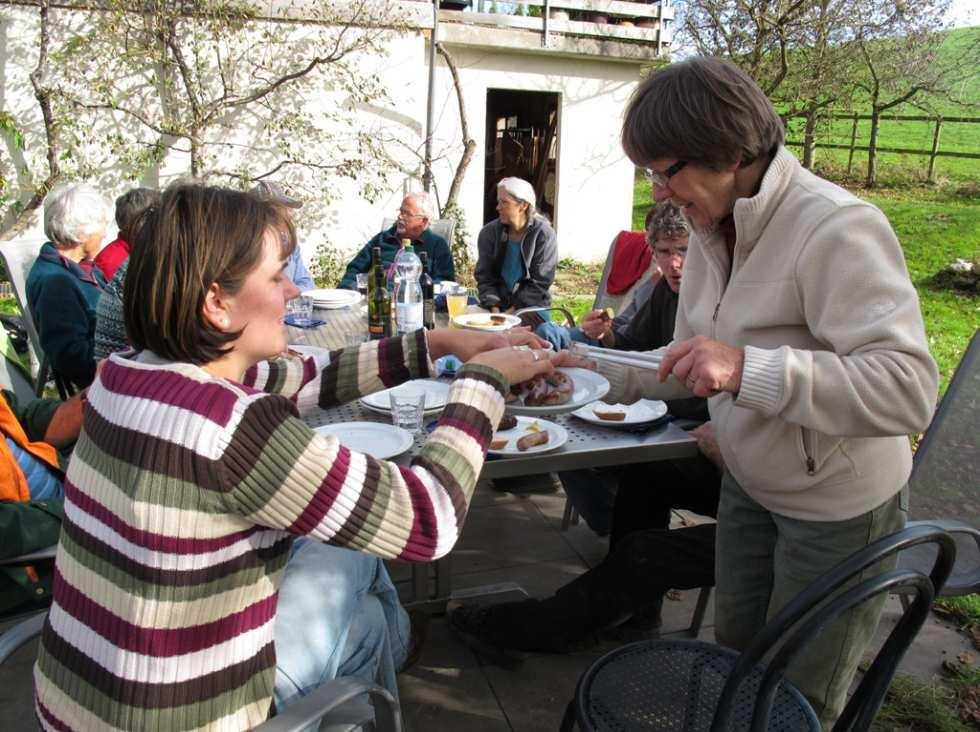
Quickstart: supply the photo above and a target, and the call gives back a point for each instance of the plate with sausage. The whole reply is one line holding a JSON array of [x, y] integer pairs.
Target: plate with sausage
[[528, 436], [564, 390]]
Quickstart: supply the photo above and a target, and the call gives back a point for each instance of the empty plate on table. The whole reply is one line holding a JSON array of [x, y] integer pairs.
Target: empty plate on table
[[587, 386], [436, 393], [377, 439], [641, 412], [486, 321], [557, 436], [303, 350]]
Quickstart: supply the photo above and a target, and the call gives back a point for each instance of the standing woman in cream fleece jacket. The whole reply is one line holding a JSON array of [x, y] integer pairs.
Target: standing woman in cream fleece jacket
[[799, 323]]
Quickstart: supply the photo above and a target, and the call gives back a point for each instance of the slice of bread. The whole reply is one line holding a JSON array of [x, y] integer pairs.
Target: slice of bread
[[610, 416]]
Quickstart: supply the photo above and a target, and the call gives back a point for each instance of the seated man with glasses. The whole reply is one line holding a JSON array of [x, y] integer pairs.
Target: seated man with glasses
[[416, 211]]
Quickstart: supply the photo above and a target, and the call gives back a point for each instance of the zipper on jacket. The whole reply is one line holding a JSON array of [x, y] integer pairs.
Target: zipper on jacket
[[811, 464]]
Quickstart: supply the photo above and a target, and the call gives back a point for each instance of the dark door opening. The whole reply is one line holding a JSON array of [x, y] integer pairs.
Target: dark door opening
[[522, 140]]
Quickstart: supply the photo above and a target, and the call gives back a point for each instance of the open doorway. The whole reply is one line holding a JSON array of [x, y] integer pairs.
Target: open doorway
[[522, 140]]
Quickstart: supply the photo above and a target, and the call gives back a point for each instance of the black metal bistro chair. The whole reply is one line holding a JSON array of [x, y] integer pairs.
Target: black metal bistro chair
[[694, 686]]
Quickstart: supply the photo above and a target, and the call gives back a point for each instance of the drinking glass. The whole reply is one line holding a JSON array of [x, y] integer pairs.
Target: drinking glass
[[456, 298], [362, 283], [300, 310], [354, 340], [407, 410]]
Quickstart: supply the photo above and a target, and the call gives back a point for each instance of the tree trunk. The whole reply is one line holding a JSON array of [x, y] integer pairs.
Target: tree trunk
[[469, 145], [195, 154], [810, 138], [872, 179]]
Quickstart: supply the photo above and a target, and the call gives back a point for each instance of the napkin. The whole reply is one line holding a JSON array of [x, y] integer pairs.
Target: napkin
[[314, 323]]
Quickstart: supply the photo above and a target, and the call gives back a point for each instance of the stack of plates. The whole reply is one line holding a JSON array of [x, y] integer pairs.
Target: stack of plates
[[436, 393], [333, 299]]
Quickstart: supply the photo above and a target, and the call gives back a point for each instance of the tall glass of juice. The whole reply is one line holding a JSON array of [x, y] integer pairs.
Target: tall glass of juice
[[456, 299]]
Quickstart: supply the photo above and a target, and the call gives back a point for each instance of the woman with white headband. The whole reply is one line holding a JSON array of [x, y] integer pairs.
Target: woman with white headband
[[517, 252]]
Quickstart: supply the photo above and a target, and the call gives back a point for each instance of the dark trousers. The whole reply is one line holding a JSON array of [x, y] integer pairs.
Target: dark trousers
[[647, 492], [635, 574]]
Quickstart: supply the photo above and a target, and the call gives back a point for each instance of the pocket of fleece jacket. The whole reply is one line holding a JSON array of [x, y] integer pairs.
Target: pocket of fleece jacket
[[822, 453]]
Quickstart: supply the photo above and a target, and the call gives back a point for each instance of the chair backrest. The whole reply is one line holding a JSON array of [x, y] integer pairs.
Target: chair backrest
[[439, 227], [18, 257], [780, 629], [946, 465], [617, 302], [13, 378]]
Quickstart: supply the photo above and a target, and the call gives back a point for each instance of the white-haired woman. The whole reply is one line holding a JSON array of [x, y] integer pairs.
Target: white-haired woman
[[517, 252], [64, 285]]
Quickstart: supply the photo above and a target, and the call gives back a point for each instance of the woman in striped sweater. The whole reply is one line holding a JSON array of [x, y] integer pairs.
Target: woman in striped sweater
[[194, 473]]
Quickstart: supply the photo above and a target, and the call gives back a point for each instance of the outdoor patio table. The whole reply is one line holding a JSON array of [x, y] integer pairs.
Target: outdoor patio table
[[588, 446]]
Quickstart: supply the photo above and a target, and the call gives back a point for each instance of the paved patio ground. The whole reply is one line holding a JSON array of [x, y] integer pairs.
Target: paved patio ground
[[510, 539]]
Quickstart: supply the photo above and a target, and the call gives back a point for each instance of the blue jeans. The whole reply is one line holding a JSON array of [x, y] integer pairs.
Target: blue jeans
[[338, 615]]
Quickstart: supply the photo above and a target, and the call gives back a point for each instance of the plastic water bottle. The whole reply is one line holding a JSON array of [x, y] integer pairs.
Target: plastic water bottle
[[408, 292]]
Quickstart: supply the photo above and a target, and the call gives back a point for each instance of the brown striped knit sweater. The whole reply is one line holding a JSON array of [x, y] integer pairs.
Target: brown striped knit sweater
[[181, 501]]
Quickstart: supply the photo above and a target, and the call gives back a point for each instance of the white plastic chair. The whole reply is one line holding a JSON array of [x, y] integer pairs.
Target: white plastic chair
[[18, 258], [439, 227]]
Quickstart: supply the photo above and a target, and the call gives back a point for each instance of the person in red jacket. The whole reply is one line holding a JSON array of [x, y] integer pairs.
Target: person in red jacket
[[129, 206]]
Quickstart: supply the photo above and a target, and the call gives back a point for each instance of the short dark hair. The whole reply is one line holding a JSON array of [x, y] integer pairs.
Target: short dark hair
[[705, 111], [197, 236], [129, 206], [665, 222]]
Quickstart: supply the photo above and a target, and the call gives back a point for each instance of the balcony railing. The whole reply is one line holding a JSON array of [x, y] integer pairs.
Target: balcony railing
[[600, 20]]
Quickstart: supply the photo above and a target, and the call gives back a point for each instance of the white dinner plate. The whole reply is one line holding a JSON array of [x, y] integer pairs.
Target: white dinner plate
[[589, 386], [325, 295], [305, 350], [376, 439], [482, 321], [557, 436], [641, 412], [436, 393], [333, 299]]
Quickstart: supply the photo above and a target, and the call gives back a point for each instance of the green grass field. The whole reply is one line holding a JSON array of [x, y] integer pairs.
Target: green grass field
[[900, 168], [934, 227]]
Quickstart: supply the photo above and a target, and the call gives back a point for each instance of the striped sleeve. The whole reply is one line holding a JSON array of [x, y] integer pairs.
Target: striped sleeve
[[284, 475], [344, 375]]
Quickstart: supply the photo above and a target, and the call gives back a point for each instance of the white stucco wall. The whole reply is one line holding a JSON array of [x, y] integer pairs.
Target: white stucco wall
[[595, 181]]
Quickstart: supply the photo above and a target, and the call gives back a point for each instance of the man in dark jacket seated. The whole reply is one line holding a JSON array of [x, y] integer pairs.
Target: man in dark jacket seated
[[414, 216]]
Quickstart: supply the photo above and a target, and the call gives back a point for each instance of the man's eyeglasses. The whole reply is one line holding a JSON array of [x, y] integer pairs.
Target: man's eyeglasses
[[403, 214], [669, 252], [662, 179]]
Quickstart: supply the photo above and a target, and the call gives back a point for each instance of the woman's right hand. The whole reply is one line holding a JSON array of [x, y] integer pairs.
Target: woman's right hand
[[596, 324], [517, 364]]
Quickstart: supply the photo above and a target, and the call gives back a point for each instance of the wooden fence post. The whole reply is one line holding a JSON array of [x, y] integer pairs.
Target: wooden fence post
[[935, 149], [850, 153]]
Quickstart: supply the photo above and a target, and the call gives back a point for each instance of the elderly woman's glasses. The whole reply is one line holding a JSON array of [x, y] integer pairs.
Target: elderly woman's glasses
[[662, 179]]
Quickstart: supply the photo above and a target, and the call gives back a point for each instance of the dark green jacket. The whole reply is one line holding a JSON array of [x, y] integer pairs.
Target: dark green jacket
[[440, 257], [62, 296]]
